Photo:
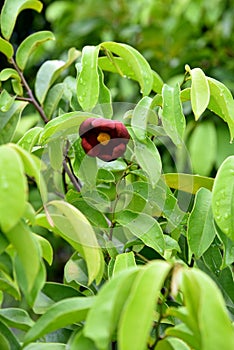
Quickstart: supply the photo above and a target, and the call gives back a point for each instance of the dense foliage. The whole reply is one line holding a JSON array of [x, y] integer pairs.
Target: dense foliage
[[116, 187]]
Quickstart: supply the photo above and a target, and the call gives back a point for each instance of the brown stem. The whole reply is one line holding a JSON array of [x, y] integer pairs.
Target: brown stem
[[32, 99], [71, 176]]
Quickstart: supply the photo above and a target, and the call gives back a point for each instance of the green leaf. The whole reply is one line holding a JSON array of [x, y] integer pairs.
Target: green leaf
[[172, 114], [103, 318], [65, 124], [223, 197], [144, 227], [141, 114], [9, 121], [203, 148], [201, 230], [124, 261], [9, 339], [6, 101], [16, 318], [27, 47], [119, 65], [135, 62], [200, 92], [10, 11], [6, 48], [63, 313], [72, 225], [222, 103], [149, 159], [137, 316], [32, 167], [46, 248], [209, 314], [30, 138], [13, 188], [50, 71], [79, 341], [104, 106], [171, 344], [88, 79], [26, 247], [52, 99], [9, 286], [182, 332], [187, 182]]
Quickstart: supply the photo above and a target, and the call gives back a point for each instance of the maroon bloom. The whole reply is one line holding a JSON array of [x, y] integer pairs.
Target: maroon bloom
[[104, 138]]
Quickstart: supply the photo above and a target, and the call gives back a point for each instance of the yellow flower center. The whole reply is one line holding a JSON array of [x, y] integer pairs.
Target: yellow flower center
[[103, 138]]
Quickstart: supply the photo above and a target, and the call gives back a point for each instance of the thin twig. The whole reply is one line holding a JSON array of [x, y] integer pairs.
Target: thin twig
[[71, 176], [29, 91]]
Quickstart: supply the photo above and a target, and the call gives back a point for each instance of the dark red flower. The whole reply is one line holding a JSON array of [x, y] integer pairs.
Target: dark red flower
[[104, 138]]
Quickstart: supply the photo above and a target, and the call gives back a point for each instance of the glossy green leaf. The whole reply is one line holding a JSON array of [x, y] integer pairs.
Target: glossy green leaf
[[50, 71], [124, 261], [181, 331], [6, 101], [202, 146], [79, 341], [29, 44], [26, 247], [8, 338], [200, 92], [6, 48], [104, 106], [30, 138], [187, 182], [157, 83], [88, 79], [9, 286], [141, 114], [173, 119], [144, 227], [135, 61], [9, 121], [139, 309], [63, 313], [52, 99], [46, 248], [13, 188], [11, 10], [95, 217], [16, 318], [119, 65], [208, 313], [43, 346], [201, 230], [171, 344], [222, 103], [65, 124], [103, 317], [76, 229], [149, 159], [223, 197], [32, 167]]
